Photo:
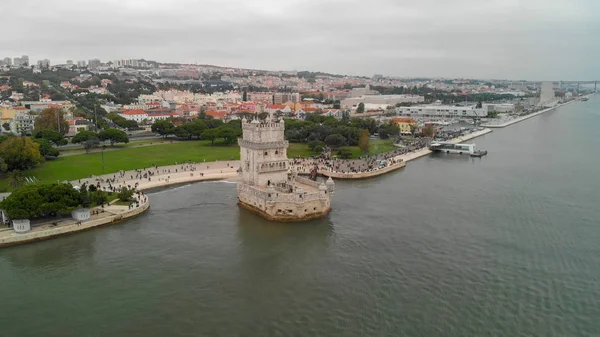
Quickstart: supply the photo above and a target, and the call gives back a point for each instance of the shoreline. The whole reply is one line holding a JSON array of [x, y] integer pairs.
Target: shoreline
[[188, 173], [115, 214], [425, 151], [522, 118]]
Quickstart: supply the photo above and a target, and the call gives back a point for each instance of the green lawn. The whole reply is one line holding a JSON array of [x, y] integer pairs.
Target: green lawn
[[376, 147], [81, 166], [299, 150], [119, 146]]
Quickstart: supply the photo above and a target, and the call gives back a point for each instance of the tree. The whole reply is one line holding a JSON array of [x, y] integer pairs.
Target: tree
[[46, 148], [6, 126], [213, 123], [51, 119], [114, 136], [91, 143], [20, 153], [163, 128], [83, 136], [181, 132], [345, 116], [210, 134], [413, 128], [37, 200], [98, 197], [245, 96], [428, 131], [361, 108], [85, 198], [3, 166], [52, 136], [344, 153], [364, 141], [479, 105], [228, 133], [196, 128], [125, 194], [16, 179], [335, 140], [388, 130]]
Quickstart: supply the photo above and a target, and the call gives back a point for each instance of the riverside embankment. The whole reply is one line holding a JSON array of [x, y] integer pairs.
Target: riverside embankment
[[159, 177], [108, 215], [520, 119], [425, 151]]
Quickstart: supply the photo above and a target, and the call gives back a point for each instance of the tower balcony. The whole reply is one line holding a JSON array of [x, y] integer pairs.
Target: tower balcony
[[262, 146], [273, 166]]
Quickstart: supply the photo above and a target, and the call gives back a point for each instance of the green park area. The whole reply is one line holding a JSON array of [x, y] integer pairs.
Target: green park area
[[129, 158]]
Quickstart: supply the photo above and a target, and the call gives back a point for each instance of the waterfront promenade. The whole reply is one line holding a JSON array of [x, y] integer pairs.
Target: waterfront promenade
[[100, 216], [522, 118], [425, 151], [156, 177], [371, 166], [163, 176]]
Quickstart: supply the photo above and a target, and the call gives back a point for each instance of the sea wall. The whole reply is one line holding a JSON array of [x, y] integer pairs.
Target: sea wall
[[520, 119], [184, 178], [47, 233], [363, 175]]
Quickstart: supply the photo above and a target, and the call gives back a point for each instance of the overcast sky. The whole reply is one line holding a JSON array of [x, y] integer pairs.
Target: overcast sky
[[512, 39]]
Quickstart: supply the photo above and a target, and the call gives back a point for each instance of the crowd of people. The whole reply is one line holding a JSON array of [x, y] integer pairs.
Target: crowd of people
[[134, 178], [362, 164], [139, 198]]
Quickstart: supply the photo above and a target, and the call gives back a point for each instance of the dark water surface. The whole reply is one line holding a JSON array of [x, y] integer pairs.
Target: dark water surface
[[506, 245]]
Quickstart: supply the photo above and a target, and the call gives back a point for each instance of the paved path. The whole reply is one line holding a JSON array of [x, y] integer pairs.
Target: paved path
[[155, 177]]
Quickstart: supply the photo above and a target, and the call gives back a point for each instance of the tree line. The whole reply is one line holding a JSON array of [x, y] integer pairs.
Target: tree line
[[207, 129], [49, 200], [317, 130]]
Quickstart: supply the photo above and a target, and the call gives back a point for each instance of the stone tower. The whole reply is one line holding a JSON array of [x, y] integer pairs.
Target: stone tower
[[268, 185], [263, 153]]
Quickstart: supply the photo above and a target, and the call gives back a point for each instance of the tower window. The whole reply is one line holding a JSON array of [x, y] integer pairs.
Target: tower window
[[266, 153], [276, 152]]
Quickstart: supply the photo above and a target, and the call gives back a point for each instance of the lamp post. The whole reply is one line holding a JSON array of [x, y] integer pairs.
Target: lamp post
[[103, 147]]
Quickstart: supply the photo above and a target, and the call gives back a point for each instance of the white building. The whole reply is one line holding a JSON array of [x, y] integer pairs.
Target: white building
[[81, 214], [94, 64], [81, 64], [22, 61], [21, 225], [547, 97], [45, 63], [111, 107], [160, 116], [134, 115], [439, 110], [499, 107], [22, 123], [353, 102], [366, 91]]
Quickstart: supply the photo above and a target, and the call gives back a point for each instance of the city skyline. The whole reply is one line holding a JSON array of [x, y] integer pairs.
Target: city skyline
[[532, 40]]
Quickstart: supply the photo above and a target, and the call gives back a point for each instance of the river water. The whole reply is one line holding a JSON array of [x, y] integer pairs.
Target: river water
[[505, 245]]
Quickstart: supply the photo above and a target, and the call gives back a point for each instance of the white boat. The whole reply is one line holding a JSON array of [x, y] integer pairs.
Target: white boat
[[452, 148]]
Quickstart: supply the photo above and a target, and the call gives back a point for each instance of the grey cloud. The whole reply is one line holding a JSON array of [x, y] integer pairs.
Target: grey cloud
[[535, 39]]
